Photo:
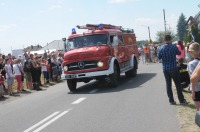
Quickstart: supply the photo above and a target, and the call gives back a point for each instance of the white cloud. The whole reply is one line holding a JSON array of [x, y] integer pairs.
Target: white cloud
[[4, 28], [54, 7], [119, 1]]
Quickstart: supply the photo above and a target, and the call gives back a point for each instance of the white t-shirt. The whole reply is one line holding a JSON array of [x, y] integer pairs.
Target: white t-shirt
[[190, 68], [16, 69], [9, 71], [44, 68]]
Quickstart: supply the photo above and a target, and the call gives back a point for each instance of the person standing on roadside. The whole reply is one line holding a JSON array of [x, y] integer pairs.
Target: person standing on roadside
[[168, 54], [35, 75], [187, 54], [146, 50], [27, 72], [9, 76], [44, 69], [194, 53], [181, 48], [18, 75], [49, 67]]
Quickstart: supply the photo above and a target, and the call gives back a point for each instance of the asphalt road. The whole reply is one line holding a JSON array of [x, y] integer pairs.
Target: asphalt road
[[138, 104]]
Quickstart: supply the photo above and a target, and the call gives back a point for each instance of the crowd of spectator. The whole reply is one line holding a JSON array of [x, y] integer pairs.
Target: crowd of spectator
[[186, 60], [27, 70], [148, 53]]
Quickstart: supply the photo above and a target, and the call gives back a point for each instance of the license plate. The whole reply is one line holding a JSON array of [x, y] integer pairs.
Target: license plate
[[70, 76]]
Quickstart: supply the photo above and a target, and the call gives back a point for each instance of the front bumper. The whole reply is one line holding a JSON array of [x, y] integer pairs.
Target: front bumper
[[89, 74]]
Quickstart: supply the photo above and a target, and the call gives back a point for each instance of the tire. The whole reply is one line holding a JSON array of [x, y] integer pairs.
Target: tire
[[114, 78], [71, 84], [132, 72]]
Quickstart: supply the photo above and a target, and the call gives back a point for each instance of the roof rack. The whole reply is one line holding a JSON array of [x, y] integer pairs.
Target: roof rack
[[127, 30], [105, 26], [99, 26]]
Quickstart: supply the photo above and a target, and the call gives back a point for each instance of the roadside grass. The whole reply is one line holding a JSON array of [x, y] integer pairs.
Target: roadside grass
[[186, 113]]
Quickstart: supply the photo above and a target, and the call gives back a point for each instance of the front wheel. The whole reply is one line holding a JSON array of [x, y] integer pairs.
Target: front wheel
[[71, 84], [114, 78]]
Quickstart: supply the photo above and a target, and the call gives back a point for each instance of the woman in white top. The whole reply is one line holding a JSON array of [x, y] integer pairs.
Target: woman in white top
[[18, 74], [44, 69], [9, 76], [187, 54]]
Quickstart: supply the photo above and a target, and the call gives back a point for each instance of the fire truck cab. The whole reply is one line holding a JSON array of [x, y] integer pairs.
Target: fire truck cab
[[103, 51]]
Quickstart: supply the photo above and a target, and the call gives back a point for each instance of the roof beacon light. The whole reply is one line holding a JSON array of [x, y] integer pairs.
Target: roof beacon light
[[100, 26], [73, 31]]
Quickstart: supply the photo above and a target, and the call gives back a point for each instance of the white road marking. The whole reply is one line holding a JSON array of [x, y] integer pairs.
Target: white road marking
[[42, 121], [51, 121], [93, 91], [79, 100]]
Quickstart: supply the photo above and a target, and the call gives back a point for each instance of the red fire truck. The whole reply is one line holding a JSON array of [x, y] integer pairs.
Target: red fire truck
[[103, 51]]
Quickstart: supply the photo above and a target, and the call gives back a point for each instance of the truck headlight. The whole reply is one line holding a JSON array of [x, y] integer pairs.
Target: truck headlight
[[65, 68], [100, 64]]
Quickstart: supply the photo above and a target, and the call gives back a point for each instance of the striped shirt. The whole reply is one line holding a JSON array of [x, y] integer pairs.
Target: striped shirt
[[168, 54]]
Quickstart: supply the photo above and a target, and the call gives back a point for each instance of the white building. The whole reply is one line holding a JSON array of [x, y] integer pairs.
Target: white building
[[56, 44]]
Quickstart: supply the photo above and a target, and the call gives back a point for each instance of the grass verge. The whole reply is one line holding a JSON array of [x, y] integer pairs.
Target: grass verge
[[186, 113]]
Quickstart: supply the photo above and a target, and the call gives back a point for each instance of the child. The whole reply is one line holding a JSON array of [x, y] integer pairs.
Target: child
[[184, 76], [194, 52], [1, 86]]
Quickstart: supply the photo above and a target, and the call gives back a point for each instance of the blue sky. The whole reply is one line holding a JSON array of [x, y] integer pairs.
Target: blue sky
[[31, 22]]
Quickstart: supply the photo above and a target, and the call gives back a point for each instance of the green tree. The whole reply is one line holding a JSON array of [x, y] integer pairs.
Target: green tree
[[181, 27], [161, 34]]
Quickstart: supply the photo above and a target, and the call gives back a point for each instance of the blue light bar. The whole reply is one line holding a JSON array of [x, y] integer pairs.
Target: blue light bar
[[73, 31]]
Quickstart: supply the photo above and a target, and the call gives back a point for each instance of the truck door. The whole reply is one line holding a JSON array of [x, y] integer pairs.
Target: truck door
[[118, 48], [122, 48]]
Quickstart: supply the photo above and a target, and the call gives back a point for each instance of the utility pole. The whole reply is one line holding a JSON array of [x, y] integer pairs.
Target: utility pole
[[164, 20], [149, 33]]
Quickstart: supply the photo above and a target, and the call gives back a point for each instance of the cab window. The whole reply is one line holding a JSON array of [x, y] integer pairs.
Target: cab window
[[114, 40]]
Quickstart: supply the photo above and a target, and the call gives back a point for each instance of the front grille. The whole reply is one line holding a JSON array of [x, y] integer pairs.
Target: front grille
[[81, 65]]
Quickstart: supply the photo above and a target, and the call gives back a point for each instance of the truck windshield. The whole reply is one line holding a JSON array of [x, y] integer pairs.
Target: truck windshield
[[85, 41]]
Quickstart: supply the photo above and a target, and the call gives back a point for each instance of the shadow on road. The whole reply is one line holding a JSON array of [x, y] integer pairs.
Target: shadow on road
[[124, 83]]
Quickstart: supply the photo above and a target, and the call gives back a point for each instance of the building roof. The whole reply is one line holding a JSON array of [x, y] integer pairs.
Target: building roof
[[56, 44], [33, 48]]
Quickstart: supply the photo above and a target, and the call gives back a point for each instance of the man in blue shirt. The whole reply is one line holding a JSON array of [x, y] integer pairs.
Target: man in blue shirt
[[168, 54]]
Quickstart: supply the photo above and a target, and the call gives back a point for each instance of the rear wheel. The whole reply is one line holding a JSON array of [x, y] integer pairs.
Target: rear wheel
[[132, 72], [114, 78], [71, 84]]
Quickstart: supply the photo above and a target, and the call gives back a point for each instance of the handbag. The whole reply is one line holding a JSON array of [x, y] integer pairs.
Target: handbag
[[197, 118]]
